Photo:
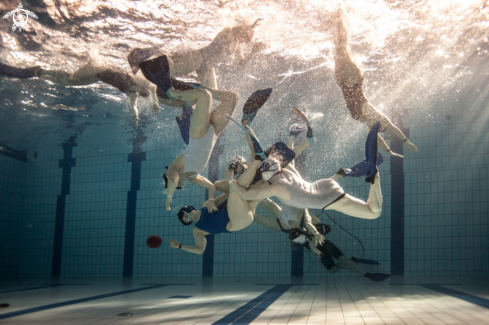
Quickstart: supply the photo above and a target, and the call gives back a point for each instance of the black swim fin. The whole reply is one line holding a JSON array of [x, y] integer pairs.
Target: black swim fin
[[364, 261], [359, 169], [377, 277], [371, 153], [183, 122], [20, 73], [254, 103], [157, 71], [281, 152]]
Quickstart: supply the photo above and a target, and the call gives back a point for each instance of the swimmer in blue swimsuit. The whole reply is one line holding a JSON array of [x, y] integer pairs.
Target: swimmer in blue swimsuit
[[237, 216], [226, 44], [350, 79], [89, 74]]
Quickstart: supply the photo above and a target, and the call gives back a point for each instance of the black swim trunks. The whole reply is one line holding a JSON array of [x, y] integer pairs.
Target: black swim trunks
[[329, 251], [355, 99]]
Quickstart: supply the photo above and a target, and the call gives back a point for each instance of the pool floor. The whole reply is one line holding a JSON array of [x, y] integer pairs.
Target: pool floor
[[325, 300]]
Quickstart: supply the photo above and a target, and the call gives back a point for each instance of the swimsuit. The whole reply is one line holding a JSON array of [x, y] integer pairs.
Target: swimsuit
[[120, 80], [214, 223], [219, 50], [198, 152], [305, 195]]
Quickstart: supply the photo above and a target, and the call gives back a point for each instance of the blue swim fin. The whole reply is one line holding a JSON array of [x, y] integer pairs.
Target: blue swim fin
[[364, 261], [359, 169], [157, 71], [377, 277], [281, 152], [254, 103], [371, 153], [183, 122], [19, 73]]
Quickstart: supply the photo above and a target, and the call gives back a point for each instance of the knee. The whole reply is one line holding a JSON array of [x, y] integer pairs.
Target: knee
[[375, 214], [232, 98]]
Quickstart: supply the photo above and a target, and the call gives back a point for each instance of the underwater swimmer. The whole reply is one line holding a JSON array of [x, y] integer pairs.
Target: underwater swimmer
[[204, 128], [203, 61], [288, 220], [238, 215], [350, 79], [89, 74]]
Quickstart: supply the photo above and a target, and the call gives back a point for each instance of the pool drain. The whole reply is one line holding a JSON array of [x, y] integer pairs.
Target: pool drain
[[125, 314]]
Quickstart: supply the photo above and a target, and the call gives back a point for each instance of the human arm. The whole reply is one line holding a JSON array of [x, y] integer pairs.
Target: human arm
[[254, 193], [173, 180], [211, 191], [200, 243], [134, 108], [154, 100], [257, 47], [318, 238], [222, 186]]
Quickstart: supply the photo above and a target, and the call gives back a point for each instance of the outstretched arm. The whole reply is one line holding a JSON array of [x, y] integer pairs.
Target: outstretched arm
[[255, 193], [211, 191], [173, 179], [134, 108], [200, 243]]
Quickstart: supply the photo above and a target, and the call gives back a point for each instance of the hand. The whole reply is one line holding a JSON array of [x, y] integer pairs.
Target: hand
[[167, 203], [156, 108], [174, 243], [210, 205], [410, 146], [135, 121], [318, 239], [258, 46], [393, 154], [228, 174]]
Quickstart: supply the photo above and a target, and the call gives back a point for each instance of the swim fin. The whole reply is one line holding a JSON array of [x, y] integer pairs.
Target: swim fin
[[157, 71], [377, 277], [296, 129], [371, 153], [364, 261], [283, 153], [359, 169], [183, 122], [259, 151], [20, 73], [254, 103]]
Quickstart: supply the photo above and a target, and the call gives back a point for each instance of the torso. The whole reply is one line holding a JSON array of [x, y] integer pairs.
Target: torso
[[222, 47], [214, 222], [303, 194], [198, 153]]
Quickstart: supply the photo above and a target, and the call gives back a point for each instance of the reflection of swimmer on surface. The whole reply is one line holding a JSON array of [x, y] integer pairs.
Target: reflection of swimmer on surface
[[287, 219], [203, 61], [204, 128], [237, 216], [350, 79], [89, 74], [325, 194]]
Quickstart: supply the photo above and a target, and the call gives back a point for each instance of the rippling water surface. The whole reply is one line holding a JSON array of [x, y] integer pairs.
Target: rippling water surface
[[414, 54]]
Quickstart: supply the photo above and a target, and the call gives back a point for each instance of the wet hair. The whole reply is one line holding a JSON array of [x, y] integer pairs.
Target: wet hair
[[180, 214]]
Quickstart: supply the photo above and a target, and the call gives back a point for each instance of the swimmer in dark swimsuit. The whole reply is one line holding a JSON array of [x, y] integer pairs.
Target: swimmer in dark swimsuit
[[89, 74], [325, 250], [237, 216], [350, 79], [203, 61]]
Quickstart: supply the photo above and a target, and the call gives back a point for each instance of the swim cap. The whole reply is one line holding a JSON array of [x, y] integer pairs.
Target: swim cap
[[235, 163], [269, 168], [181, 214]]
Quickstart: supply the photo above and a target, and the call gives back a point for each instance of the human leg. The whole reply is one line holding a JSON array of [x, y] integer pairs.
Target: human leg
[[239, 211], [228, 100], [182, 64], [83, 76], [357, 208], [346, 71], [344, 262], [270, 207], [207, 78], [199, 122]]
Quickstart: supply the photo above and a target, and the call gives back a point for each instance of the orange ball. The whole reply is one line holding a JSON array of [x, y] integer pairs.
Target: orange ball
[[154, 241]]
